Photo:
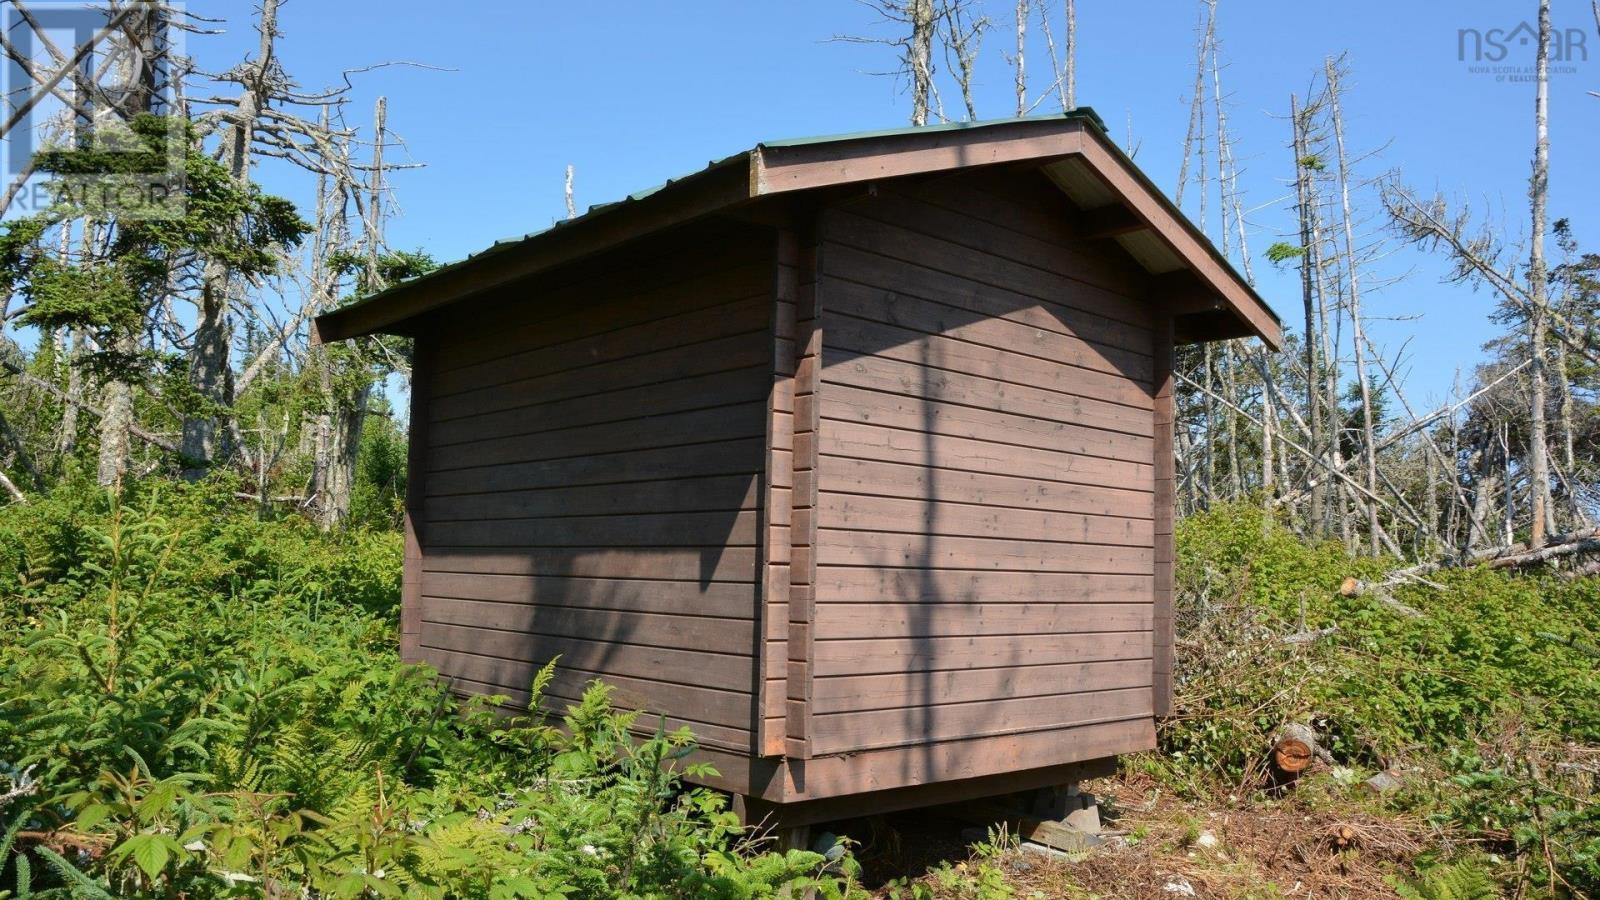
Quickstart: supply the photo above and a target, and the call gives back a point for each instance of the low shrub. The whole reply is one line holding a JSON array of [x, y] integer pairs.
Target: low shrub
[[198, 703], [1492, 692]]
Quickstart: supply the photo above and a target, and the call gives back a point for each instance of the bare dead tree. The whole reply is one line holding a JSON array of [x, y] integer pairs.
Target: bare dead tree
[[1019, 60], [1072, 54], [1352, 276], [1538, 278], [210, 361], [916, 22], [961, 33]]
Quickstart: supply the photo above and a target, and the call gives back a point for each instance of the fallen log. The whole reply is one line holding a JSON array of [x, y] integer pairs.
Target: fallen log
[[1564, 545], [1355, 587], [1296, 748], [1512, 556]]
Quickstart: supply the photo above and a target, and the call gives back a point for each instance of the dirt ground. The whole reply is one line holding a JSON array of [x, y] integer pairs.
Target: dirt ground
[[1305, 844]]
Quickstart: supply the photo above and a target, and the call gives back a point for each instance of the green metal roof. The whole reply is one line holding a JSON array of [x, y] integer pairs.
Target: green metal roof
[[1081, 113]]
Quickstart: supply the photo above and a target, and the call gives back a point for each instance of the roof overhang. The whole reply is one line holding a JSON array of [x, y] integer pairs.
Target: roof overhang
[[1118, 202]]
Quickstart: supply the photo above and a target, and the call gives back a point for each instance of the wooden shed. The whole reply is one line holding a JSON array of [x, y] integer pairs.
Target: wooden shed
[[854, 454]]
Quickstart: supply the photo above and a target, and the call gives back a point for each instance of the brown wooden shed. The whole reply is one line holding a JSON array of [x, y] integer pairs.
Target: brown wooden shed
[[854, 454]]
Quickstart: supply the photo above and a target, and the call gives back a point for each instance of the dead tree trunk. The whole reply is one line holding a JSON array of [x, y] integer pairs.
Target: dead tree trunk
[[1308, 298], [1538, 193], [115, 425], [210, 361], [1072, 53], [1022, 72], [923, 22], [1353, 280]]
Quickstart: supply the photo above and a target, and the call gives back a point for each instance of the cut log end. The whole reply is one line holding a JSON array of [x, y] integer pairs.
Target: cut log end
[[1295, 749]]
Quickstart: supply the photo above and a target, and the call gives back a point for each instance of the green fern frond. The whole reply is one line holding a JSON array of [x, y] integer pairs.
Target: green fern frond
[[1457, 881]]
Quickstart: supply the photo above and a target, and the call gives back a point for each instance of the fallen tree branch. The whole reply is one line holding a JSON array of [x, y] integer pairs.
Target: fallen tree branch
[[11, 488], [23, 786], [1562, 545], [1355, 587], [153, 439], [1310, 637]]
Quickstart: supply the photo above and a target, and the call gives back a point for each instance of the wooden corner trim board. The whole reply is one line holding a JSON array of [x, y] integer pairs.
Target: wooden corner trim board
[[771, 170], [772, 615], [416, 494]]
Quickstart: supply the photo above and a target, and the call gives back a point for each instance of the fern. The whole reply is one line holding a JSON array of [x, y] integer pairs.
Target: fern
[[1456, 881]]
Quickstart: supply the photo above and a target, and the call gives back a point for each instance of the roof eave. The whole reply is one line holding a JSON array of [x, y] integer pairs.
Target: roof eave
[[723, 184], [793, 166], [783, 168]]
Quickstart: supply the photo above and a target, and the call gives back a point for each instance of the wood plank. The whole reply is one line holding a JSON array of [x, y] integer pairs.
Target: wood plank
[[917, 551], [856, 512], [839, 621], [940, 451], [855, 731], [1079, 260], [710, 706], [913, 380], [723, 671], [850, 338], [958, 760], [719, 388], [850, 404], [718, 458], [703, 565], [899, 690], [1079, 310], [713, 635], [424, 350], [718, 423], [783, 168], [1183, 238], [527, 318], [594, 351], [681, 361], [888, 479], [870, 584], [713, 529], [888, 304], [954, 257], [900, 655], [1165, 511], [699, 494], [661, 262], [721, 599], [675, 205], [771, 719], [715, 737]]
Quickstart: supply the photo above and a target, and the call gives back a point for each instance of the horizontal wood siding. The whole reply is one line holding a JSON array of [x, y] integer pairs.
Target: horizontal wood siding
[[593, 484], [985, 529]]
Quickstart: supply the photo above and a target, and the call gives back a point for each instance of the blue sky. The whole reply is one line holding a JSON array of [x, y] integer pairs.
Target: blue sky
[[633, 92]]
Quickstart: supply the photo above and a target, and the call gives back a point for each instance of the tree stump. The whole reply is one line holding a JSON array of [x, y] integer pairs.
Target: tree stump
[[1295, 748]]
